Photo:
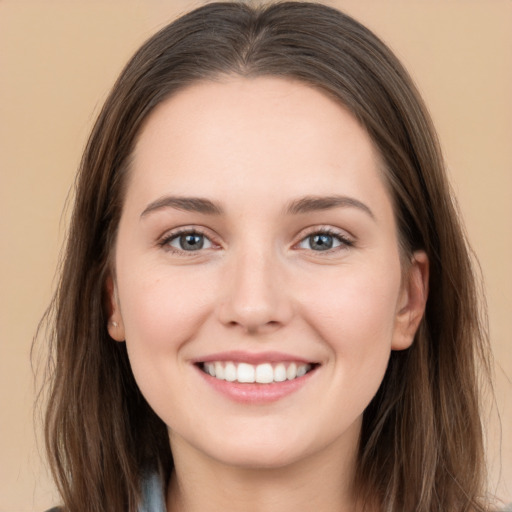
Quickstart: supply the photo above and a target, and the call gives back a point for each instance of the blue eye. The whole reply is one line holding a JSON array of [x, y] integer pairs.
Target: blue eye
[[189, 241], [324, 241]]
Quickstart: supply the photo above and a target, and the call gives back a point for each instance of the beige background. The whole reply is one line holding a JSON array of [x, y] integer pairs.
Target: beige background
[[57, 62]]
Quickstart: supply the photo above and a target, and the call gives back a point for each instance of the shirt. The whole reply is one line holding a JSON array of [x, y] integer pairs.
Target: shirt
[[152, 495]]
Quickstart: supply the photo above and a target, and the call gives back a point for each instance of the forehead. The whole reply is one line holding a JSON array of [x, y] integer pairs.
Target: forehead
[[250, 106], [261, 133]]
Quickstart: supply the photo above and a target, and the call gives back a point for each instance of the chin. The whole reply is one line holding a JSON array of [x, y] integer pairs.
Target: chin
[[261, 451], [257, 457]]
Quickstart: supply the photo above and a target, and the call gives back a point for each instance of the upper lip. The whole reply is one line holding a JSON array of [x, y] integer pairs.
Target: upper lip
[[239, 356]]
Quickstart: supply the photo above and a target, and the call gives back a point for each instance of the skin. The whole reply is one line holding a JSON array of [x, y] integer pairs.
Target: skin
[[253, 146]]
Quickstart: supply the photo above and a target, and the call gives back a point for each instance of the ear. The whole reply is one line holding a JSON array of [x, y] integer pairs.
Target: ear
[[115, 324], [412, 301]]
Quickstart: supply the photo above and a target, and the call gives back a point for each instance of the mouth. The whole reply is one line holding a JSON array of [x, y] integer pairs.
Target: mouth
[[263, 373]]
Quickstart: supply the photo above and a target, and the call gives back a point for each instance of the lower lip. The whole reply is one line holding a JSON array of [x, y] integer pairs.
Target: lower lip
[[249, 393]]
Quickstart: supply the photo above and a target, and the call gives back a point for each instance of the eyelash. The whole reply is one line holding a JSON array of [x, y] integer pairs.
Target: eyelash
[[345, 242], [166, 240]]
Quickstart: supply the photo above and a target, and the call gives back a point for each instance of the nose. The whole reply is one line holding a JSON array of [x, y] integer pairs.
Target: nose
[[255, 297]]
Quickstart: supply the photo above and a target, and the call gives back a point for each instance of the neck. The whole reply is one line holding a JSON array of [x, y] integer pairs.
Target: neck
[[322, 482]]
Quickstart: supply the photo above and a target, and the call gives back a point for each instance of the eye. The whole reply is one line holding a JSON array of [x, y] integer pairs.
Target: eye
[[324, 241], [187, 241]]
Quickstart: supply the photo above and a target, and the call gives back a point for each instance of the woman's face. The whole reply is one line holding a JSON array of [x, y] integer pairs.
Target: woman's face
[[258, 243]]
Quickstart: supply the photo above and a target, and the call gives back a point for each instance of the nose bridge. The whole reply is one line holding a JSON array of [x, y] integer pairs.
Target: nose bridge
[[255, 296]]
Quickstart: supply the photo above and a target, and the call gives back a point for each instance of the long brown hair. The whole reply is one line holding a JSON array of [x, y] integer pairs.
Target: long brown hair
[[421, 441]]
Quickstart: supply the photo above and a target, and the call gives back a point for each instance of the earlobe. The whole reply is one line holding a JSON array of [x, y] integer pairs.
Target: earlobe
[[115, 325], [413, 299]]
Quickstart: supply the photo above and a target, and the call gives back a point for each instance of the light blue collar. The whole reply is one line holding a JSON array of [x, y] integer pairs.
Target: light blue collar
[[152, 495]]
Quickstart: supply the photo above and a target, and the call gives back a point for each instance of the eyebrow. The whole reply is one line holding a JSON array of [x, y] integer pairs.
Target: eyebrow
[[187, 204], [316, 203], [302, 205]]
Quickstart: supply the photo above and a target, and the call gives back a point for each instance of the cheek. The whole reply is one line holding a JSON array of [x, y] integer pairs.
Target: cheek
[[156, 296], [160, 314], [355, 309], [354, 317]]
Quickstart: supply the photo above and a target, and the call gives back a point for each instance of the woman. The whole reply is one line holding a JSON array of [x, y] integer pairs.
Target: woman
[[267, 300]]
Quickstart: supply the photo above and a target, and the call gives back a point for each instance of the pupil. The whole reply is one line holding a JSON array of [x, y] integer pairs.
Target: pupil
[[321, 242], [191, 242]]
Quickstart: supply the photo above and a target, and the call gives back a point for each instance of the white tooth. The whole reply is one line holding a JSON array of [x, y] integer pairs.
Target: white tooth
[[291, 372], [302, 370], [230, 372], [280, 373], [219, 371], [210, 368], [264, 373], [245, 372]]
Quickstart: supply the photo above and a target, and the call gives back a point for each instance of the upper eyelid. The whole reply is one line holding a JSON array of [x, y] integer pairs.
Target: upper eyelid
[[331, 230], [176, 232], [171, 233]]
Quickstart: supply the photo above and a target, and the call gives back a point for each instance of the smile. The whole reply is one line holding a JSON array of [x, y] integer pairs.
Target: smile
[[265, 373]]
